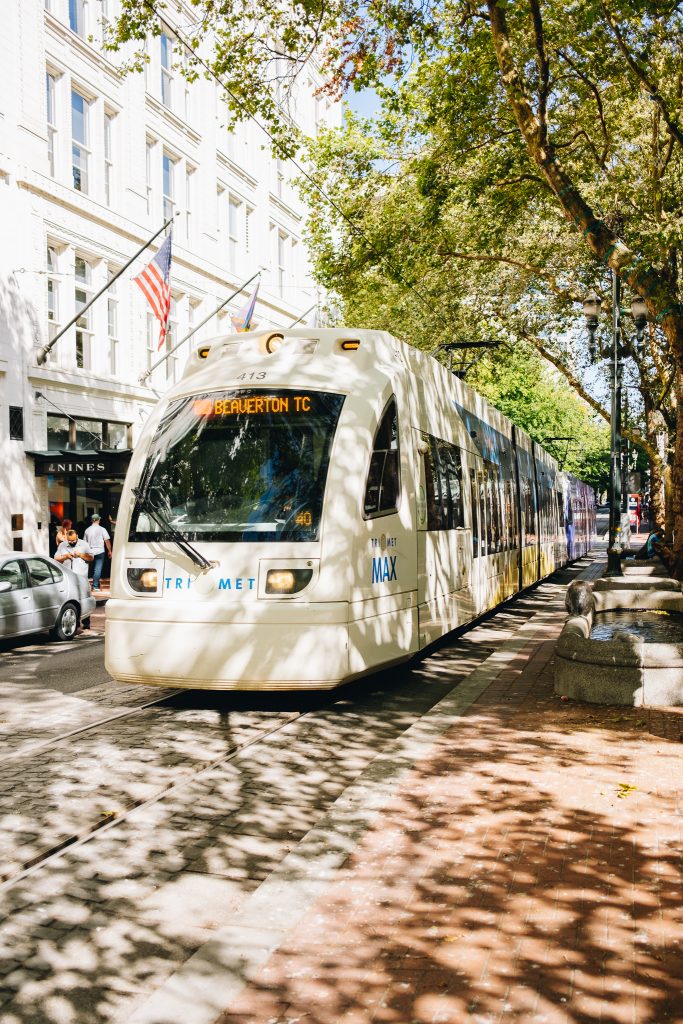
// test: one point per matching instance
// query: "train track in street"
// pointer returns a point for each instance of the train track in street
(114, 818)
(31, 750)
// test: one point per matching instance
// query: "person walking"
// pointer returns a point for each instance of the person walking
(98, 539)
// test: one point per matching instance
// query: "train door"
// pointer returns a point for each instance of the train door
(528, 500)
(383, 624)
(443, 540)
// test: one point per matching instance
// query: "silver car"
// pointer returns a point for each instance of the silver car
(38, 593)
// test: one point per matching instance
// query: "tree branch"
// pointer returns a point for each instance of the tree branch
(543, 68)
(662, 300)
(563, 293)
(642, 76)
(632, 435)
(598, 101)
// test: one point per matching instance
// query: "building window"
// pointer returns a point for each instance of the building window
(189, 190)
(57, 433)
(281, 261)
(79, 141)
(248, 229)
(234, 211)
(88, 435)
(52, 295)
(166, 70)
(113, 327)
(77, 16)
(169, 173)
(117, 435)
(149, 178)
(152, 339)
(171, 342)
(16, 423)
(83, 324)
(220, 199)
(51, 84)
(108, 161)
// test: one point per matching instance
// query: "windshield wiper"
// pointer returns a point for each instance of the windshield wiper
(145, 505)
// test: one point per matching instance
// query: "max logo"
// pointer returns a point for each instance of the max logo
(384, 569)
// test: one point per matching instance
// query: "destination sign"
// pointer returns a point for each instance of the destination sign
(252, 405)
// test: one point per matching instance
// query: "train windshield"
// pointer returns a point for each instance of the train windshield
(242, 465)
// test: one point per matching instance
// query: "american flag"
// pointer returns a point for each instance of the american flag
(156, 287)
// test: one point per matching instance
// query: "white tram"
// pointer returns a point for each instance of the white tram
(309, 506)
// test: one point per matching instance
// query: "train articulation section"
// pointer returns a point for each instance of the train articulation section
(307, 507)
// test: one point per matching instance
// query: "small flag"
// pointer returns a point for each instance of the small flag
(154, 281)
(242, 320)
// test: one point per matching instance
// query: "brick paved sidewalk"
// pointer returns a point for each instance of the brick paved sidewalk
(527, 869)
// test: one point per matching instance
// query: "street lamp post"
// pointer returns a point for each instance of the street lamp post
(591, 310)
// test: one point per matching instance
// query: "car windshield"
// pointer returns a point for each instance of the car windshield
(247, 465)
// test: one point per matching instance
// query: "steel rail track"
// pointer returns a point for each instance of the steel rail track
(38, 748)
(111, 821)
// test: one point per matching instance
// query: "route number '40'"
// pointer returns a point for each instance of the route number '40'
(304, 519)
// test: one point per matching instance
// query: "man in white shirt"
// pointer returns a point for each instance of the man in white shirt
(97, 538)
(75, 554)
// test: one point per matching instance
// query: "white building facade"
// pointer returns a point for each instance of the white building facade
(91, 164)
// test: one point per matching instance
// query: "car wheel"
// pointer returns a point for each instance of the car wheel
(67, 623)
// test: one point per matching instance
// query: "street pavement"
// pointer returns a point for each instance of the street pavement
(445, 843)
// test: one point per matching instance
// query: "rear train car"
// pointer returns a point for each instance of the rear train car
(305, 507)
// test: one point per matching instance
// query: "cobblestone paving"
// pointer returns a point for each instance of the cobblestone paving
(105, 921)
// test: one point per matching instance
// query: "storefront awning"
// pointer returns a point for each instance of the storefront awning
(82, 463)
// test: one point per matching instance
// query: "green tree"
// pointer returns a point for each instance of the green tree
(538, 143)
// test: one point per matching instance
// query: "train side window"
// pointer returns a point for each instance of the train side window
(443, 485)
(433, 486)
(474, 498)
(383, 485)
(453, 471)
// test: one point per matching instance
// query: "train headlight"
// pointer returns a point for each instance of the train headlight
(287, 581)
(143, 581)
(274, 342)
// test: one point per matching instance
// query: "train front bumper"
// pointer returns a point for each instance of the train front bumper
(277, 647)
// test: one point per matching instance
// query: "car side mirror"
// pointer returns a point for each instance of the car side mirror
(5, 586)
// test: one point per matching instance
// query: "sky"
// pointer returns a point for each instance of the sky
(365, 103)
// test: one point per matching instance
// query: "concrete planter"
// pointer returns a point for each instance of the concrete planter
(624, 670)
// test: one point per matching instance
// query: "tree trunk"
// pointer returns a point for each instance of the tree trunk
(658, 436)
(660, 294)
(677, 479)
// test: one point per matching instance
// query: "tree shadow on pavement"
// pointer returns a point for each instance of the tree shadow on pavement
(529, 871)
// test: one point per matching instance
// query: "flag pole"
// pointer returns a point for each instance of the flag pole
(43, 352)
(309, 310)
(148, 373)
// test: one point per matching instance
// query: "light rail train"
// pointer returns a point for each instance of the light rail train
(308, 506)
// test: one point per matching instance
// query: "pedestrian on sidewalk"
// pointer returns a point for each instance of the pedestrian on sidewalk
(61, 535)
(98, 539)
(76, 555)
